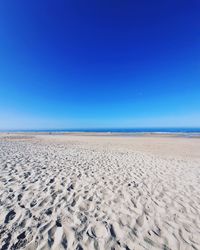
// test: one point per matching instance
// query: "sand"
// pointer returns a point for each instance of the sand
(99, 192)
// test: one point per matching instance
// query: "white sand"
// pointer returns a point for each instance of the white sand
(95, 192)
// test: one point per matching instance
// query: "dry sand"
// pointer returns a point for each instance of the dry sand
(99, 192)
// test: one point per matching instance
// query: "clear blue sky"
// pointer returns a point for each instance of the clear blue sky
(89, 64)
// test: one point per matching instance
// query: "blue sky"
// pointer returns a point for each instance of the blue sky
(95, 64)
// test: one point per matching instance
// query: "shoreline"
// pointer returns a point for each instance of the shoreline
(111, 134)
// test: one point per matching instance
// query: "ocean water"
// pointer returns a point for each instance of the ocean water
(115, 130)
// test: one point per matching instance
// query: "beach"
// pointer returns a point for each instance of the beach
(82, 191)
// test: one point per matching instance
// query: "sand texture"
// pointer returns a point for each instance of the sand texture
(93, 192)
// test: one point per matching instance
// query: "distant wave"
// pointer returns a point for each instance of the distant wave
(114, 130)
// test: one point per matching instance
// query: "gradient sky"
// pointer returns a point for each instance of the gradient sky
(94, 64)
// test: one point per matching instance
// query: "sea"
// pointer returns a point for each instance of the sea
(187, 131)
